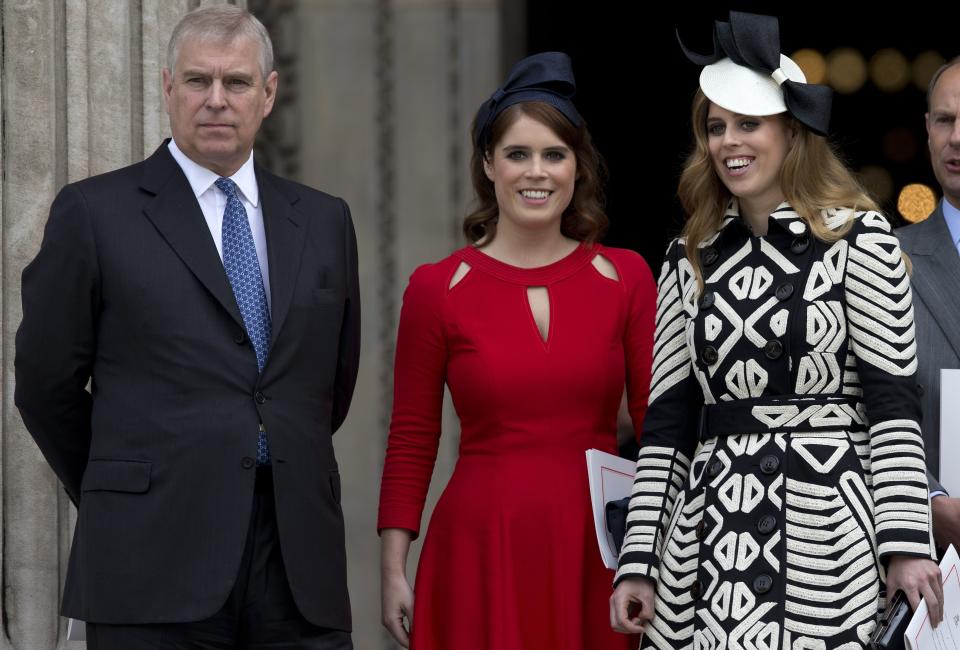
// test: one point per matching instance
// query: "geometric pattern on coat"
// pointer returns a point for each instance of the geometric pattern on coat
(781, 462)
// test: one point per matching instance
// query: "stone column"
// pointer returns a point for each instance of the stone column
(378, 111)
(387, 91)
(80, 95)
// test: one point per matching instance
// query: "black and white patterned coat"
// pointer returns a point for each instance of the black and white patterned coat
(781, 462)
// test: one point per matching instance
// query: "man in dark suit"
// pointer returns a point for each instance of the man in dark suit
(213, 310)
(932, 248)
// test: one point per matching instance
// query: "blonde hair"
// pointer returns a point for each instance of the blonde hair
(813, 178)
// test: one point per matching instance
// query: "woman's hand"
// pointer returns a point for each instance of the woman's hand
(635, 594)
(396, 596)
(918, 578)
(396, 602)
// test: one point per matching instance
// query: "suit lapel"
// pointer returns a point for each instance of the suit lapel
(936, 277)
(176, 214)
(286, 234)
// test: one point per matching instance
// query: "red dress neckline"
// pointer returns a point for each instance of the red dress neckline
(536, 276)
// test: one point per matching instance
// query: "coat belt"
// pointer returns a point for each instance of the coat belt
(781, 414)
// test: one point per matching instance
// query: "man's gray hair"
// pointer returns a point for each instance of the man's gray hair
(222, 24)
(936, 77)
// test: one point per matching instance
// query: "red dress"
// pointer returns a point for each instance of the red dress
(510, 560)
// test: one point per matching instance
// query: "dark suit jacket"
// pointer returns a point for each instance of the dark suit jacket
(936, 303)
(129, 293)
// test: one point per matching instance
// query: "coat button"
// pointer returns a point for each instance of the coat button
(247, 462)
(708, 256)
(710, 355)
(920, 390)
(715, 468)
(762, 583)
(800, 244)
(784, 291)
(769, 464)
(240, 337)
(766, 524)
(260, 397)
(773, 349)
(706, 300)
(696, 589)
(702, 530)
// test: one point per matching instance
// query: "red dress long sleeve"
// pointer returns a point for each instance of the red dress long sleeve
(510, 560)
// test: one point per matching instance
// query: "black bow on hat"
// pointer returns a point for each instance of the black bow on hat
(545, 77)
(753, 41)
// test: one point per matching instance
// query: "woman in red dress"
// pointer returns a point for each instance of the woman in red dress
(536, 329)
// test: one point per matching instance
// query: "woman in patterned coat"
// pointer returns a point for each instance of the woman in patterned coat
(781, 483)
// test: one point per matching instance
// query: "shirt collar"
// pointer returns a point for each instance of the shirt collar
(202, 179)
(952, 216)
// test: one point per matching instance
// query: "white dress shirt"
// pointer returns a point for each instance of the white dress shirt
(952, 216)
(213, 202)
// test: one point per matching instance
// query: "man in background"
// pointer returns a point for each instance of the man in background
(932, 246)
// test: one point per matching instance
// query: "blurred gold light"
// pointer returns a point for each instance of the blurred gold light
(846, 70)
(878, 182)
(889, 70)
(916, 202)
(812, 63)
(924, 66)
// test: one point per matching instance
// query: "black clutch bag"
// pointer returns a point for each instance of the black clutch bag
(893, 625)
(616, 513)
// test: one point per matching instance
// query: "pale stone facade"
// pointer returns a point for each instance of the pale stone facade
(378, 105)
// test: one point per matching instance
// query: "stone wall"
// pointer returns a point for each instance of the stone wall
(377, 109)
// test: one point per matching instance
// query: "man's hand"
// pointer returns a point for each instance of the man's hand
(946, 521)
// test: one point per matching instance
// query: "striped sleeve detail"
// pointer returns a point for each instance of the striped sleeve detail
(900, 496)
(671, 358)
(879, 303)
(661, 474)
(880, 323)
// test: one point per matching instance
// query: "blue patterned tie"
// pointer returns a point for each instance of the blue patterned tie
(243, 271)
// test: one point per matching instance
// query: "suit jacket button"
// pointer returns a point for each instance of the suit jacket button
(773, 349)
(766, 524)
(769, 464)
(240, 337)
(710, 355)
(762, 583)
(708, 256)
(702, 530)
(706, 300)
(784, 291)
(247, 462)
(259, 397)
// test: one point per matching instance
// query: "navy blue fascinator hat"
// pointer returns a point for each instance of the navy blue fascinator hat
(545, 77)
(747, 74)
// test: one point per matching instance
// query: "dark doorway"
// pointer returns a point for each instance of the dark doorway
(635, 88)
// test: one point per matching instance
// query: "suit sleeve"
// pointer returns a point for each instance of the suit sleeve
(670, 426)
(879, 312)
(419, 377)
(929, 423)
(56, 341)
(348, 351)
